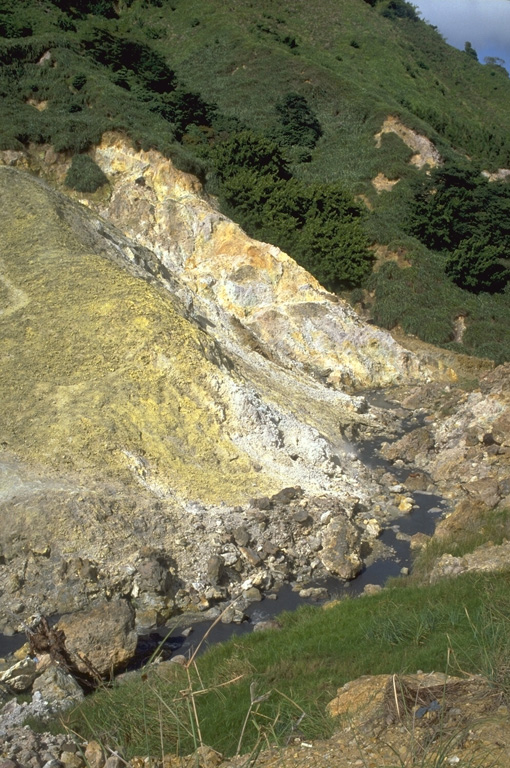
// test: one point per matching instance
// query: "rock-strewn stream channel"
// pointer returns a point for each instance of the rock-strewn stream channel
(387, 554)
(392, 556)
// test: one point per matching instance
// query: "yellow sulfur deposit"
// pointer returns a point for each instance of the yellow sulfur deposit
(99, 370)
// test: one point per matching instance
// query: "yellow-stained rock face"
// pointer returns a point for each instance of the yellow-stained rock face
(165, 382)
(127, 429)
(99, 370)
(234, 279)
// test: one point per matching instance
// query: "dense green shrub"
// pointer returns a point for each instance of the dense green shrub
(11, 26)
(79, 81)
(319, 225)
(298, 124)
(468, 48)
(124, 54)
(334, 251)
(458, 211)
(478, 266)
(84, 175)
(247, 150)
(80, 8)
(399, 9)
(184, 109)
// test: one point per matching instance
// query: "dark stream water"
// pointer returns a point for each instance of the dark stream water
(429, 508)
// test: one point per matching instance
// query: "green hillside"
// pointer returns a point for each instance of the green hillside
(276, 109)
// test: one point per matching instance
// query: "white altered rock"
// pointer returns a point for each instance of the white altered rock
(20, 676)
(373, 528)
(57, 687)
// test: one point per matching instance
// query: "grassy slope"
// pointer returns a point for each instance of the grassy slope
(234, 57)
(354, 66)
(302, 665)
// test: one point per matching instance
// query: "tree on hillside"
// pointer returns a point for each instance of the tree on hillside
(247, 150)
(478, 266)
(459, 212)
(399, 9)
(298, 124)
(80, 8)
(468, 48)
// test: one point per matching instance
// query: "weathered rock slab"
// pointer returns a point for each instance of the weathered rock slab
(104, 635)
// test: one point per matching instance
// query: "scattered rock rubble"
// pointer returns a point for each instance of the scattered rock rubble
(203, 559)
(464, 445)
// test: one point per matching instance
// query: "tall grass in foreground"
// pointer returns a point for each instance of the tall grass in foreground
(259, 689)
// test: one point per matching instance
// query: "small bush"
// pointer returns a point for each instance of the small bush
(84, 175)
(478, 266)
(298, 123)
(400, 9)
(79, 81)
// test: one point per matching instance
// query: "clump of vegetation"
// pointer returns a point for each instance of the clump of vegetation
(319, 225)
(84, 175)
(298, 124)
(464, 216)
(422, 301)
(399, 9)
(478, 264)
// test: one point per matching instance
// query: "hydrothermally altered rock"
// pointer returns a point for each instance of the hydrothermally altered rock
(128, 428)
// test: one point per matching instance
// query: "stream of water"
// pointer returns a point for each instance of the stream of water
(428, 509)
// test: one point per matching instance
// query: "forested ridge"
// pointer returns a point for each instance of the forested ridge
(276, 112)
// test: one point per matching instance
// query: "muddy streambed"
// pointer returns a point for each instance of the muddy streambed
(429, 509)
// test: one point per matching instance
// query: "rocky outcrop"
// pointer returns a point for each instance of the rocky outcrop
(23, 747)
(425, 153)
(174, 430)
(146, 409)
(244, 292)
(421, 717)
(502, 174)
(487, 559)
(102, 639)
(464, 445)
(247, 289)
